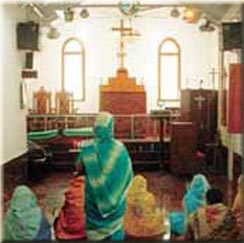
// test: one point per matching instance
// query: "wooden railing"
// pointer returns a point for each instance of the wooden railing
(126, 126)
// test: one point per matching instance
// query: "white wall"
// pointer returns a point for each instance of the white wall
(199, 55)
(13, 120)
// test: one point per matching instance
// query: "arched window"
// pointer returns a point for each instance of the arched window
(169, 77)
(73, 68)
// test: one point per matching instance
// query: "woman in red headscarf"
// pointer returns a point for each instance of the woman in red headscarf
(70, 223)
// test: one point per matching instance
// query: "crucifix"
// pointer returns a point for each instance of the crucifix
(213, 76)
(199, 99)
(123, 30)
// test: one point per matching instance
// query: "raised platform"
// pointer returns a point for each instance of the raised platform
(145, 152)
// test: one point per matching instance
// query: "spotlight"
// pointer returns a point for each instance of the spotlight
(191, 15)
(207, 26)
(68, 15)
(175, 12)
(84, 13)
(53, 33)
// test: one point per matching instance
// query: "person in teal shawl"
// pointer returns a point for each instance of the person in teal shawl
(108, 175)
(24, 219)
(192, 200)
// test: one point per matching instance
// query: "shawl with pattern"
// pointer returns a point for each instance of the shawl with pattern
(108, 172)
(237, 206)
(23, 218)
(193, 199)
(70, 223)
(214, 222)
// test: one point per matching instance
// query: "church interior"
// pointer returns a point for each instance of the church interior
(168, 71)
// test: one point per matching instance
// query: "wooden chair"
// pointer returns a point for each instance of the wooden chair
(41, 102)
(185, 158)
(64, 103)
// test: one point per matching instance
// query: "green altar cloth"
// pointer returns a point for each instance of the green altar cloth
(42, 135)
(78, 132)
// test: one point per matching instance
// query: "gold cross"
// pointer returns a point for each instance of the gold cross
(123, 30)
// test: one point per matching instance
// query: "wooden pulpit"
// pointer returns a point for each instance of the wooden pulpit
(200, 107)
(185, 158)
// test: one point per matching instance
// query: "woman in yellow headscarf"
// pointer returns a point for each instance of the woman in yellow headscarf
(142, 218)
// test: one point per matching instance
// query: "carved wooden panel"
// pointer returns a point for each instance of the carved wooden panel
(122, 95)
(63, 103)
(42, 102)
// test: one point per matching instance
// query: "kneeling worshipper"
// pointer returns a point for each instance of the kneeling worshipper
(143, 219)
(237, 206)
(70, 222)
(24, 220)
(213, 222)
(194, 198)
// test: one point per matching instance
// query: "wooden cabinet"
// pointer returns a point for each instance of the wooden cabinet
(200, 107)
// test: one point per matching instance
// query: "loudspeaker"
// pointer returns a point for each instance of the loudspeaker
(27, 36)
(29, 60)
(232, 35)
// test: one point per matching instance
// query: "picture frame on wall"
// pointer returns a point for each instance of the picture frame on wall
(23, 95)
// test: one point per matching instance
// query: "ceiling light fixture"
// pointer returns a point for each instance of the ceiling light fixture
(53, 33)
(128, 7)
(68, 15)
(191, 15)
(207, 26)
(84, 13)
(175, 13)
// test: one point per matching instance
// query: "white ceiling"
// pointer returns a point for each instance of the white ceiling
(147, 8)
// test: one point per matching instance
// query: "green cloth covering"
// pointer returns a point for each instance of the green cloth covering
(42, 135)
(78, 132)
(23, 218)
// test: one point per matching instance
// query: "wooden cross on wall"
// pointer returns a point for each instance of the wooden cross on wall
(213, 76)
(123, 30)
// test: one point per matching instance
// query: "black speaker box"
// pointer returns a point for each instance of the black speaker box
(232, 35)
(27, 36)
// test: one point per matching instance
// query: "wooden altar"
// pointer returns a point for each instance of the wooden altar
(122, 95)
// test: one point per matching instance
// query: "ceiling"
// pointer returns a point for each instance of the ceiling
(47, 11)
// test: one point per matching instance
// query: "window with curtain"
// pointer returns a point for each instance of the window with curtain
(73, 68)
(169, 78)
